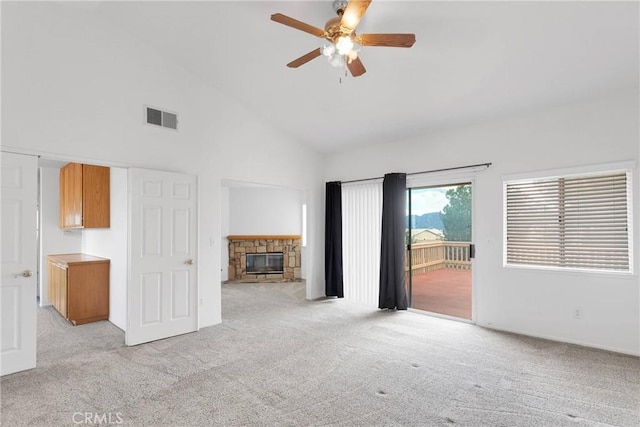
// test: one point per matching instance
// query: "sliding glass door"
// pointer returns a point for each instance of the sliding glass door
(439, 249)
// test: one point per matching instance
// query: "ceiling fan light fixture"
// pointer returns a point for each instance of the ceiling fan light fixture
(328, 50)
(336, 60)
(344, 44)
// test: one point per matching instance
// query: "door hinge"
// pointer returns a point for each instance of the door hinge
(472, 250)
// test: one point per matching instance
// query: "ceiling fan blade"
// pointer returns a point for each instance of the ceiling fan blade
(353, 14)
(305, 58)
(298, 25)
(356, 67)
(389, 40)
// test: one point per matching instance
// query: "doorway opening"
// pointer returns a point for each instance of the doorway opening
(168, 234)
(439, 249)
(109, 243)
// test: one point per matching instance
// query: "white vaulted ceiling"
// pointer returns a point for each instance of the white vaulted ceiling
(472, 61)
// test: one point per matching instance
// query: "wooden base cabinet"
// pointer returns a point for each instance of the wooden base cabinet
(78, 287)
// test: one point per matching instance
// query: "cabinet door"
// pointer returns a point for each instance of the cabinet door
(96, 196)
(66, 215)
(62, 291)
(88, 292)
(71, 196)
(62, 219)
(76, 194)
(58, 287)
(52, 285)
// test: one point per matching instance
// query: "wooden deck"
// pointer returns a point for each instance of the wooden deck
(444, 291)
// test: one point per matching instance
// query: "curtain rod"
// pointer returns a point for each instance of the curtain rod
(418, 173)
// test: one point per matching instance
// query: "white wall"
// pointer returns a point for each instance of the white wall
(53, 240)
(86, 82)
(532, 302)
(265, 211)
(112, 243)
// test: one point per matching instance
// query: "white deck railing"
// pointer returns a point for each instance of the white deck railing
(431, 256)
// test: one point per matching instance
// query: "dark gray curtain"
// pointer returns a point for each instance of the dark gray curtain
(393, 293)
(333, 284)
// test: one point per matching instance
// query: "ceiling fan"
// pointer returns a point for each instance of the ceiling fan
(341, 40)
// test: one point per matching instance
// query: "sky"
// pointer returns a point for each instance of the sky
(427, 200)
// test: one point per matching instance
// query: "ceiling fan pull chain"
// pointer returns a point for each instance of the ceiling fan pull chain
(344, 70)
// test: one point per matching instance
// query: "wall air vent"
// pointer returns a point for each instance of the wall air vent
(154, 116)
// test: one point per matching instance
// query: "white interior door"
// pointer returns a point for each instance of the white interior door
(163, 286)
(19, 258)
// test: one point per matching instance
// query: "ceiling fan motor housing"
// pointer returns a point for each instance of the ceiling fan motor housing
(332, 27)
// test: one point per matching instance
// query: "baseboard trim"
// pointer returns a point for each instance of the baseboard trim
(563, 340)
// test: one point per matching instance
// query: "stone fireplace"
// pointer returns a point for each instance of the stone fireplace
(264, 257)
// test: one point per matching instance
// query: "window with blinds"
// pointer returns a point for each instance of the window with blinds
(574, 222)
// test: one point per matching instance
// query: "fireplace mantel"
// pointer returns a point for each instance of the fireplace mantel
(264, 237)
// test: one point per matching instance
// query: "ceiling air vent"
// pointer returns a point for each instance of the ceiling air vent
(161, 118)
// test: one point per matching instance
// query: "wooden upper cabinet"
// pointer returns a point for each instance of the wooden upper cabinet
(84, 196)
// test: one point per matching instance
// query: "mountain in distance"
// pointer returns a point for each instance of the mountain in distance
(428, 220)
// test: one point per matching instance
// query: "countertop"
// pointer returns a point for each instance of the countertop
(70, 259)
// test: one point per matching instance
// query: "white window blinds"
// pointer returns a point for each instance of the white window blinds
(361, 241)
(578, 222)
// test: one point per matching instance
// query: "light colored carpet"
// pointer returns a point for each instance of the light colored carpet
(279, 360)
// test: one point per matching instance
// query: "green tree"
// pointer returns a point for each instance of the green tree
(456, 216)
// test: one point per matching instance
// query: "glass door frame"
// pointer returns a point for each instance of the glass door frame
(407, 245)
(443, 180)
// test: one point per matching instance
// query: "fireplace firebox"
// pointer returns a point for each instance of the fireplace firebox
(265, 263)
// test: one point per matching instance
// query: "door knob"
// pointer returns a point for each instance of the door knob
(26, 273)
(189, 262)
